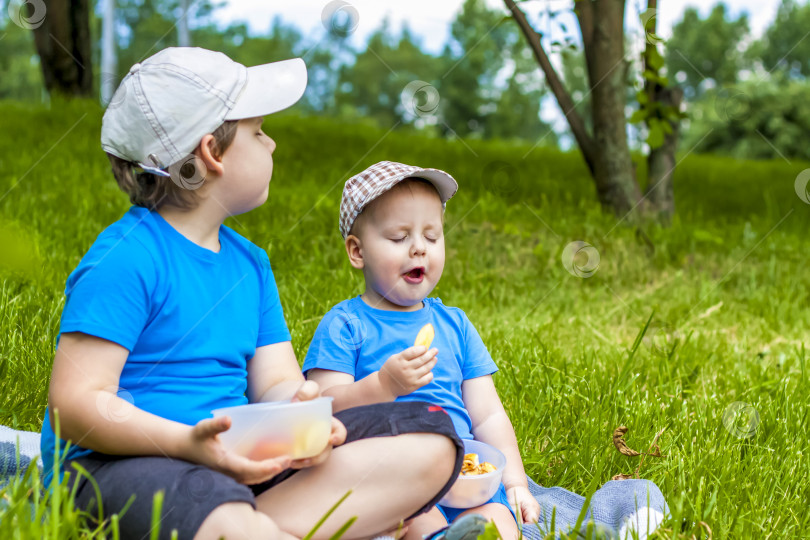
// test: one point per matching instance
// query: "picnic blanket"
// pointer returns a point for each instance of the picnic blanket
(11, 441)
(616, 509)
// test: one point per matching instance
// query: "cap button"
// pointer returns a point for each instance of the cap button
(135, 68)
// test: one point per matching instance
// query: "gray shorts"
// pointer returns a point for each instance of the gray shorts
(192, 491)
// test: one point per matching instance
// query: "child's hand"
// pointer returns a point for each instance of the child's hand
(307, 391)
(409, 370)
(204, 447)
(527, 509)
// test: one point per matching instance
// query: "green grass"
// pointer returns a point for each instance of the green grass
(726, 287)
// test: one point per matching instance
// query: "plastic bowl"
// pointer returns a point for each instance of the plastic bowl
(474, 490)
(266, 430)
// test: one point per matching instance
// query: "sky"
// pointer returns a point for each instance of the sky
(430, 19)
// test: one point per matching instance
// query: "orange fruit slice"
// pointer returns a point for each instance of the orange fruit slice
(266, 449)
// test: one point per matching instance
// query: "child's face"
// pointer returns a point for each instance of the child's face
(248, 163)
(402, 245)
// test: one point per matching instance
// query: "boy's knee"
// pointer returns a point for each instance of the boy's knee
(437, 453)
(237, 521)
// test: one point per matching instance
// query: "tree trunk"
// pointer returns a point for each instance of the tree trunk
(603, 22)
(606, 151)
(659, 194)
(64, 48)
(661, 162)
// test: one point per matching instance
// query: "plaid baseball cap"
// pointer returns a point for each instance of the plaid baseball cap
(366, 186)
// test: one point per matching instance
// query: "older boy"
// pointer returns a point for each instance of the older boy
(391, 218)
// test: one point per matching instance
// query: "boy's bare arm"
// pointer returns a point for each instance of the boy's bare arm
(347, 392)
(491, 425)
(400, 375)
(84, 386)
(273, 373)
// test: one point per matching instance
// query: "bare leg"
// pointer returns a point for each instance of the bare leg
(239, 521)
(390, 478)
(425, 524)
(500, 515)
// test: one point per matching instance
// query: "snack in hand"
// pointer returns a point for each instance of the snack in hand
(471, 466)
(425, 336)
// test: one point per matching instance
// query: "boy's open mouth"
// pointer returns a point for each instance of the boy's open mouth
(415, 275)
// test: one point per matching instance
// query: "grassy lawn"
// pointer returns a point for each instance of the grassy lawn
(724, 289)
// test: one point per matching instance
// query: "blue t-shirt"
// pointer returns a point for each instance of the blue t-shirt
(191, 318)
(357, 339)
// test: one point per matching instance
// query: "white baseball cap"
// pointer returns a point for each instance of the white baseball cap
(167, 103)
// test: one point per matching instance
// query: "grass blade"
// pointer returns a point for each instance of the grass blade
(328, 513)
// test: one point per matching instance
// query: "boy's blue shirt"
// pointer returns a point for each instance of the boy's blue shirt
(191, 318)
(357, 339)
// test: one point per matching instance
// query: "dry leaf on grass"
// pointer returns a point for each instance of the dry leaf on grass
(621, 446)
(618, 442)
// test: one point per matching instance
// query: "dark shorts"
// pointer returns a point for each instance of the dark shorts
(192, 491)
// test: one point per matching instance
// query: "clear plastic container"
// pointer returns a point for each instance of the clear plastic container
(474, 490)
(265, 430)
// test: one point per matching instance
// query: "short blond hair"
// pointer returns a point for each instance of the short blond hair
(152, 191)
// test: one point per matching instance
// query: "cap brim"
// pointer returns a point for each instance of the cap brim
(270, 88)
(443, 182)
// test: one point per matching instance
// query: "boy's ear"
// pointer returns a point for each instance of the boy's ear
(354, 250)
(207, 152)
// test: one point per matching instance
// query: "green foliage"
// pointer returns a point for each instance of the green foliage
(756, 120)
(701, 49)
(19, 64)
(148, 26)
(726, 285)
(479, 36)
(482, 43)
(517, 115)
(373, 85)
(784, 46)
(27, 511)
(659, 117)
(485, 84)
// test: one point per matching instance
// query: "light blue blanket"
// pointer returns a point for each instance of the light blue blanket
(10, 441)
(620, 509)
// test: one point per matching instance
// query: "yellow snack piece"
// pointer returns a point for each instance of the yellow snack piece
(471, 465)
(425, 336)
(311, 440)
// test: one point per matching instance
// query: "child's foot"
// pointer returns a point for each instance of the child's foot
(468, 527)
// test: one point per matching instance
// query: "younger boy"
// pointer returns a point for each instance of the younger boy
(391, 217)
